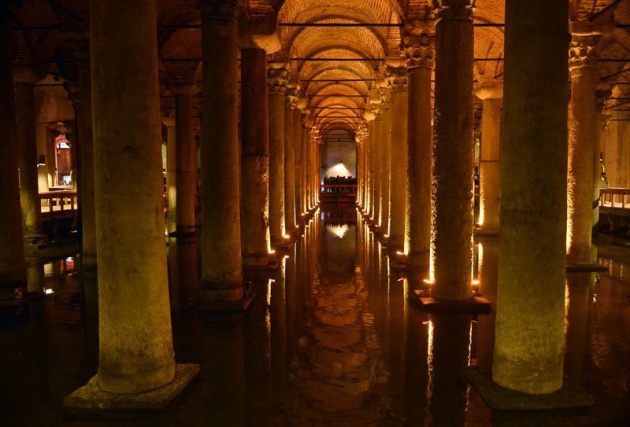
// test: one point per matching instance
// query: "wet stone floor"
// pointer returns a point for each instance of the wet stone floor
(331, 339)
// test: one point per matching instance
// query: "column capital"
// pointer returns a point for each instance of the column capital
(397, 78)
(419, 43)
(218, 10)
(489, 90)
(582, 51)
(453, 10)
(168, 121)
(277, 78)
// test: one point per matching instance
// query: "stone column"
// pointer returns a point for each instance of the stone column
(135, 338)
(12, 263)
(289, 171)
(171, 173)
(277, 80)
(171, 211)
(254, 158)
(186, 163)
(419, 51)
(489, 177)
(453, 150)
(221, 256)
(383, 146)
(25, 78)
(603, 93)
(298, 169)
(374, 169)
(397, 78)
(583, 132)
(528, 353)
(362, 181)
(86, 184)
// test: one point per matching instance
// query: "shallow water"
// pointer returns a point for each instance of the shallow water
(332, 339)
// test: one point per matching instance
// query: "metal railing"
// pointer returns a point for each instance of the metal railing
(55, 202)
(614, 198)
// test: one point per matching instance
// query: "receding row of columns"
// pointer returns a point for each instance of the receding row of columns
(533, 174)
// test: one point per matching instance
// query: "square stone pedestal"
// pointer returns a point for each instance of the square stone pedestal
(90, 398)
(571, 399)
(474, 305)
(585, 268)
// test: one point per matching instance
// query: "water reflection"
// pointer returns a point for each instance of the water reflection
(331, 338)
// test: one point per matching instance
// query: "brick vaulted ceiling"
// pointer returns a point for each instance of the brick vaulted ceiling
(53, 35)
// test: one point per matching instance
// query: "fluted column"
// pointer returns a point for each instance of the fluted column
(453, 151)
(420, 53)
(277, 80)
(25, 78)
(583, 132)
(221, 258)
(12, 263)
(489, 177)
(289, 161)
(397, 78)
(135, 338)
(528, 352)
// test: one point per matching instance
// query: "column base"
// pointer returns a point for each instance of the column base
(571, 397)
(259, 262)
(90, 398)
(474, 305)
(44, 248)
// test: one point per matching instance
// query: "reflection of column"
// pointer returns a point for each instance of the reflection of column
(583, 132)
(577, 336)
(276, 79)
(419, 51)
(25, 112)
(528, 353)
(136, 350)
(221, 260)
(489, 178)
(397, 180)
(449, 342)
(35, 275)
(488, 270)
(453, 151)
(12, 264)
(254, 157)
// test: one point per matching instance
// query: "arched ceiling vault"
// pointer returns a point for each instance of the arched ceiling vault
(362, 36)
